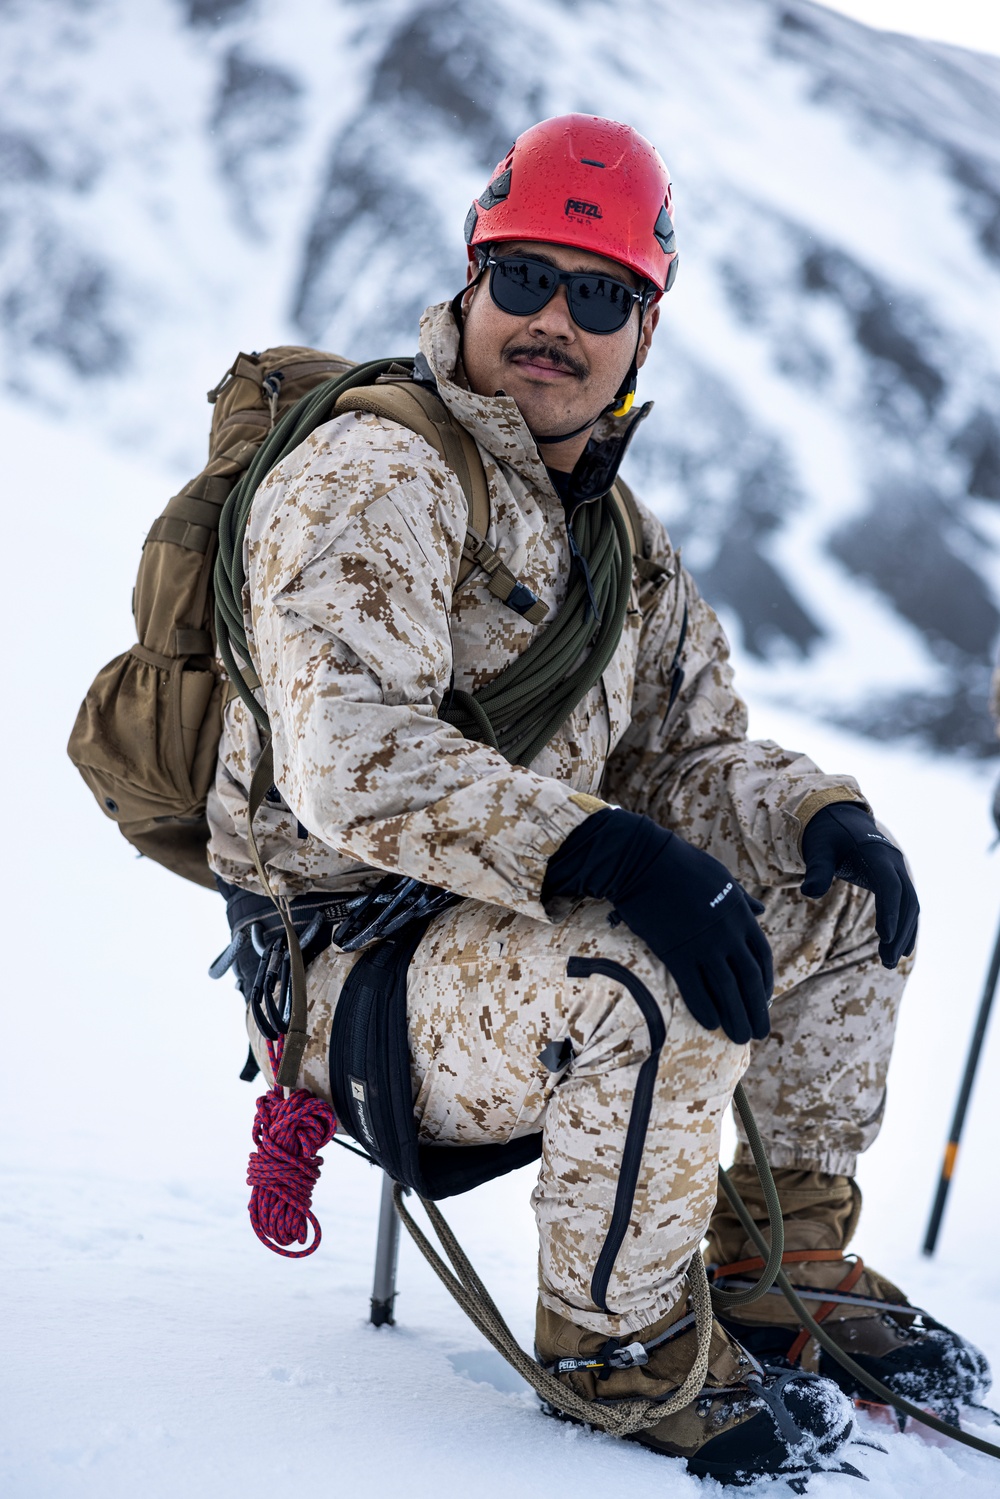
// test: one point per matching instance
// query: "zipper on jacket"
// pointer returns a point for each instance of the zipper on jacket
(642, 1103)
(676, 670)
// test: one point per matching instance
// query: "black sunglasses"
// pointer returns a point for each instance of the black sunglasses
(598, 303)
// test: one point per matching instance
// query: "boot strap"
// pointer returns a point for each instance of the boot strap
(790, 1257)
(800, 1257)
(848, 1283)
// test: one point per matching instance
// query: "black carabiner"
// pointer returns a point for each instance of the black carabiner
(262, 985)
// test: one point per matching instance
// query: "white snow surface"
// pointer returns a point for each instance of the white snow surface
(151, 1345)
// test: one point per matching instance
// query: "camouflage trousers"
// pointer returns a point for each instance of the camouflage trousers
(577, 1031)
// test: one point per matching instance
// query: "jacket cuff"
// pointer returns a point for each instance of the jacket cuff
(826, 796)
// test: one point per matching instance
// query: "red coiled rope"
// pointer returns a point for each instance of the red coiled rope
(285, 1167)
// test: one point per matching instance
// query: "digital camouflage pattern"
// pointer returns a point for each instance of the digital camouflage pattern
(353, 548)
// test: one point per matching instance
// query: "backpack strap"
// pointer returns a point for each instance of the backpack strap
(423, 411)
(629, 510)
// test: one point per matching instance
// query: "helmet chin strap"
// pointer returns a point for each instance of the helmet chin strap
(620, 406)
(545, 441)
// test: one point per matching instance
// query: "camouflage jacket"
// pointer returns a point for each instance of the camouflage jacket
(356, 627)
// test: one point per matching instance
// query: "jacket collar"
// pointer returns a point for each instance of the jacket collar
(498, 426)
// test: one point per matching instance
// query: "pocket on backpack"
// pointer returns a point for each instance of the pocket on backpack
(146, 736)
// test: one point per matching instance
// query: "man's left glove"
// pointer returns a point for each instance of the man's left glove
(843, 841)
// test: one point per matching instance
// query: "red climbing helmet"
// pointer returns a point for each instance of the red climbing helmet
(584, 181)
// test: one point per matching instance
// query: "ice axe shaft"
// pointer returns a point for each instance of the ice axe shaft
(961, 1107)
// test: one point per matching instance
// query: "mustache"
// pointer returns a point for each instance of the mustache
(552, 354)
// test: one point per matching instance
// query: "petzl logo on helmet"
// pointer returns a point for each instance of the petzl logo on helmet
(586, 210)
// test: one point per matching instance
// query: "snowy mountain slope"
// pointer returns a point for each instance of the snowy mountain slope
(181, 180)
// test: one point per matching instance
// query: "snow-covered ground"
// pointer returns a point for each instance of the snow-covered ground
(151, 1345)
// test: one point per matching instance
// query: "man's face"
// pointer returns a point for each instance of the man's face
(557, 372)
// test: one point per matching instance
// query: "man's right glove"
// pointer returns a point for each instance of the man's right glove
(842, 841)
(685, 906)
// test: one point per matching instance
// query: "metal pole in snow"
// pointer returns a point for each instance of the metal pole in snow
(386, 1258)
(961, 1107)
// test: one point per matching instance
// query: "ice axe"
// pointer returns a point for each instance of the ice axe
(961, 1107)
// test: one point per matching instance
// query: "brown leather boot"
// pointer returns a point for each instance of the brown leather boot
(745, 1422)
(863, 1312)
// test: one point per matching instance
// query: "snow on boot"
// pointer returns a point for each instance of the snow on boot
(863, 1313)
(745, 1423)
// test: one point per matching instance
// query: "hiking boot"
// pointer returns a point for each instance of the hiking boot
(863, 1313)
(745, 1422)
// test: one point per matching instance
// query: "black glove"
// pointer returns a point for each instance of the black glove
(685, 906)
(843, 840)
